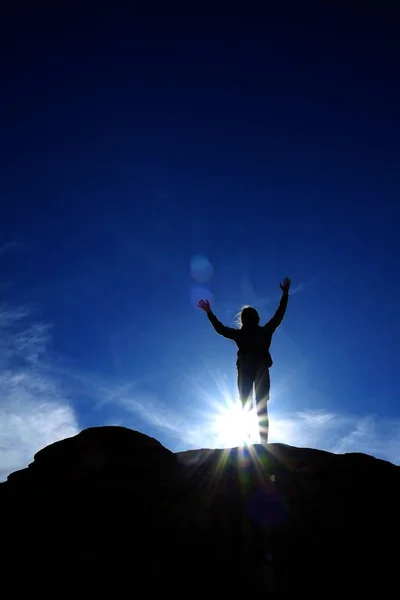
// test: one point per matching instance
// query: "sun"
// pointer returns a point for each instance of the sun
(235, 426)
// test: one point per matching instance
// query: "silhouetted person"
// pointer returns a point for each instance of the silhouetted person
(253, 357)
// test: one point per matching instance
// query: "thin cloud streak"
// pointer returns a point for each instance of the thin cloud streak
(153, 412)
(33, 409)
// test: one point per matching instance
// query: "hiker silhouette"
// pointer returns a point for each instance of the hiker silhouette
(253, 357)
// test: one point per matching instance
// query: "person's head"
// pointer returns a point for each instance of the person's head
(249, 317)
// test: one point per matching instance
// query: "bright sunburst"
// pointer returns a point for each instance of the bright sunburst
(235, 426)
(226, 424)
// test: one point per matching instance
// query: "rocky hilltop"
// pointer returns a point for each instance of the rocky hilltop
(113, 511)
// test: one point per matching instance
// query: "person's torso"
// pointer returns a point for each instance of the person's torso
(254, 341)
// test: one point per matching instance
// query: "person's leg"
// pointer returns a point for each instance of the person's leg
(245, 386)
(262, 385)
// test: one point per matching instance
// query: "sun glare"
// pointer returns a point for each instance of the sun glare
(235, 426)
(227, 423)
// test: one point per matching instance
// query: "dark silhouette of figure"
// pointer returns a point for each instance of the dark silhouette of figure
(253, 357)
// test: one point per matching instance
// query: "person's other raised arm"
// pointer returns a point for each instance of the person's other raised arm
(227, 332)
(277, 319)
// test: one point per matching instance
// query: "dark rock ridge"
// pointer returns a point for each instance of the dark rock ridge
(112, 511)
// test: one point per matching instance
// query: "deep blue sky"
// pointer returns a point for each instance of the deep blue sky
(131, 144)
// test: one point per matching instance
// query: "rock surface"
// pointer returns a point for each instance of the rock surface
(112, 511)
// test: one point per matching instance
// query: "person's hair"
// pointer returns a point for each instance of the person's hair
(247, 317)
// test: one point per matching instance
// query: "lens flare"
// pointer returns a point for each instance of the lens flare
(201, 269)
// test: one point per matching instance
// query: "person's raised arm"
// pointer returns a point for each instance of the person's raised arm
(281, 310)
(227, 332)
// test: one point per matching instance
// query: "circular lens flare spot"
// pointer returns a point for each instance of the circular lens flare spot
(201, 269)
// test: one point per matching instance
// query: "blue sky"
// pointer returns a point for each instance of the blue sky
(133, 145)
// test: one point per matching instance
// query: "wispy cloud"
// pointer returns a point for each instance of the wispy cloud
(33, 410)
(184, 428)
(339, 433)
